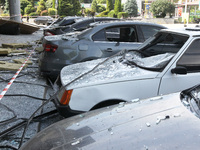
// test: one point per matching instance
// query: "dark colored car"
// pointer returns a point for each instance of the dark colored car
(45, 20)
(59, 23)
(78, 25)
(99, 41)
(169, 122)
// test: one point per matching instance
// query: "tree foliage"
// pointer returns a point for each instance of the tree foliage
(6, 7)
(117, 6)
(24, 4)
(160, 8)
(49, 4)
(94, 5)
(86, 1)
(109, 4)
(101, 1)
(28, 9)
(41, 6)
(131, 7)
(100, 8)
(68, 7)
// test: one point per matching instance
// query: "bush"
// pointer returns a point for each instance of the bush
(112, 14)
(100, 8)
(33, 14)
(103, 14)
(89, 12)
(122, 15)
(28, 9)
(4, 15)
(52, 11)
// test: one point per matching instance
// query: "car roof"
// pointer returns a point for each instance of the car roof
(123, 22)
(195, 31)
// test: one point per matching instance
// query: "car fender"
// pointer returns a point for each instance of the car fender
(85, 98)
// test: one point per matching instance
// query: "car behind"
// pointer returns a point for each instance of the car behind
(78, 24)
(99, 41)
(164, 122)
(45, 20)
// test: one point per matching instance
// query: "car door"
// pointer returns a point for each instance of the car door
(188, 62)
(114, 39)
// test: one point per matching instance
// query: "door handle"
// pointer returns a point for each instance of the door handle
(109, 50)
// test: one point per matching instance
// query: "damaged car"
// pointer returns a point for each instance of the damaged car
(99, 41)
(59, 23)
(164, 122)
(78, 24)
(166, 63)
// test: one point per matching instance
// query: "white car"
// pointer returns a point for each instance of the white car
(166, 63)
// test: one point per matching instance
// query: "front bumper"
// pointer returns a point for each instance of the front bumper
(65, 110)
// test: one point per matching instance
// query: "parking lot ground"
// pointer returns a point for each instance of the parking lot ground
(26, 94)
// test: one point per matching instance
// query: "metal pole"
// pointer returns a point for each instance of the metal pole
(14, 8)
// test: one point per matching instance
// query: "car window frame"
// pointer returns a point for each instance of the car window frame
(115, 26)
(190, 68)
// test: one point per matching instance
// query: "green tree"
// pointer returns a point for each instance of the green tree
(100, 8)
(101, 1)
(117, 6)
(41, 6)
(76, 7)
(28, 9)
(24, 4)
(160, 8)
(68, 7)
(49, 4)
(94, 5)
(109, 4)
(54, 3)
(86, 1)
(6, 7)
(131, 7)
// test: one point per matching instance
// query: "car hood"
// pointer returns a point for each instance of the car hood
(155, 123)
(110, 70)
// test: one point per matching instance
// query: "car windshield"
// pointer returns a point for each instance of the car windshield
(155, 54)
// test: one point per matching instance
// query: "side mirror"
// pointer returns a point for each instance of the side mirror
(179, 70)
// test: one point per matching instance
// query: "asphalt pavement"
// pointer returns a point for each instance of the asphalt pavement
(25, 96)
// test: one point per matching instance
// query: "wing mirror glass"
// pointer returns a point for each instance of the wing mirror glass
(179, 70)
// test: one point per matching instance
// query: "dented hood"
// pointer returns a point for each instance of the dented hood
(113, 69)
(156, 123)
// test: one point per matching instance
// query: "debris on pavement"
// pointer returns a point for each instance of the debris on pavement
(9, 66)
(15, 45)
(22, 60)
(5, 51)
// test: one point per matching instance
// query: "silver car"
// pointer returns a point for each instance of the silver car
(100, 40)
